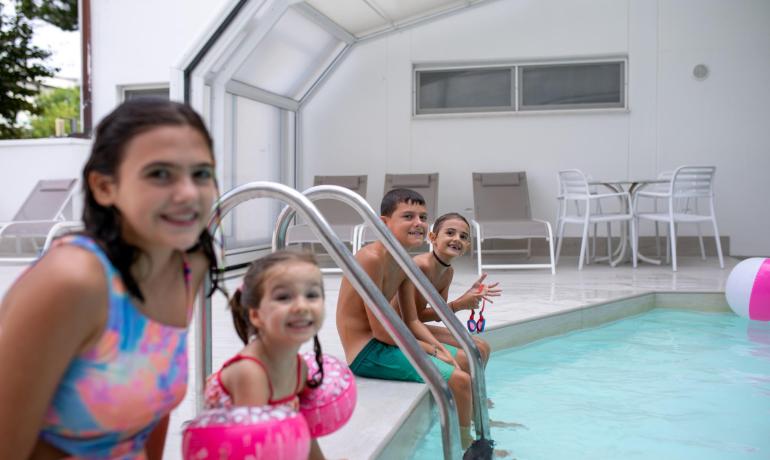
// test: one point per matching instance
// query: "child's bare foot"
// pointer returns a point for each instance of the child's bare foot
(466, 437)
(502, 453)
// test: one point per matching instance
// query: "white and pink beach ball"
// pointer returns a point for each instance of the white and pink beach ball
(748, 289)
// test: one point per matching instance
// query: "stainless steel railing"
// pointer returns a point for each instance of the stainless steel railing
(360, 282)
(421, 282)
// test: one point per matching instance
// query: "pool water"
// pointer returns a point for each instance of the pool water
(666, 384)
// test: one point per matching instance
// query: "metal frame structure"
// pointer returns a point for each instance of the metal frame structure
(204, 77)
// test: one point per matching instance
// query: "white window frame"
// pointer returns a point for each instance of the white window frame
(516, 70)
(123, 89)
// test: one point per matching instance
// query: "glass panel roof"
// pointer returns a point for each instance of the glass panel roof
(309, 35)
(365, 17)
(400, 10)
(290, 56)
(354, 16)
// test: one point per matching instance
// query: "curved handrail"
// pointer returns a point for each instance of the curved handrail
(421, 282)
(358, 279)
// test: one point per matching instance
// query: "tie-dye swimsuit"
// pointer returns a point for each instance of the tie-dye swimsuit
(112, 396)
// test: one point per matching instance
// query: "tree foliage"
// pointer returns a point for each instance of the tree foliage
(22, 65)
(56, 103)
(61, 13)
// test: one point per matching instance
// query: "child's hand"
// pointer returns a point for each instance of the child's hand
(477, 292)
(444, 355)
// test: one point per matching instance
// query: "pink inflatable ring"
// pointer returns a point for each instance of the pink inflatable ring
(328, 407)
(265, 432)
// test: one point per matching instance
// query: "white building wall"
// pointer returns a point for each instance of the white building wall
(137, 42)
(360, 120)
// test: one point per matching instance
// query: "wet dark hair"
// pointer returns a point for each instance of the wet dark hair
(113, 134)
(249, 295)
(445, 217)
(392, 199)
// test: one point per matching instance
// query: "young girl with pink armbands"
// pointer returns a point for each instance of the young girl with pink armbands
(268, 400)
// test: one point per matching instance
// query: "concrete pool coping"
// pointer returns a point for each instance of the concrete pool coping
(401, 441)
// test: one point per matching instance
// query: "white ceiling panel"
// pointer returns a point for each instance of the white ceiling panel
(366, 17)
(406, 10)
(355, 16)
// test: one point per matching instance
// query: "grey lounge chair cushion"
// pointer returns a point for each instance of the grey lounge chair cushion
(351, 182)
(410, 180)
(514, 229)
(499, 179)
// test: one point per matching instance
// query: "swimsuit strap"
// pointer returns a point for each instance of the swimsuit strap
(240, 357)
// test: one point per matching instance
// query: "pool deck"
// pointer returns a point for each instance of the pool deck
(527, 294)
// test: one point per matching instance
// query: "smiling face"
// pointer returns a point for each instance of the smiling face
(408, 223)
(163, 189)
(291, 310)
(451, 239)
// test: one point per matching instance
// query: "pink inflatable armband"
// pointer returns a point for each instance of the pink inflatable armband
(328, 407)
(265, 432)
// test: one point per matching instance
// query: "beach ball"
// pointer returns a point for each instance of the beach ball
(748, 289)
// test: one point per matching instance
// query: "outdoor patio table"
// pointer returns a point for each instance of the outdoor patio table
(619, 186)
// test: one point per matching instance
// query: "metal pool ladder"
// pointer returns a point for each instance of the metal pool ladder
(358, 279)
(423, 285)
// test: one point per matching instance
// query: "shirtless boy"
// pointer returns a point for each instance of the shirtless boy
(369, 349)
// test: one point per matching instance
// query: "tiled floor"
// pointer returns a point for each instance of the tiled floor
(526, 294)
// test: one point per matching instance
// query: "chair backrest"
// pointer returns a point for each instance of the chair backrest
(573, 184)
(425, 184)
(337, 212)
(693, 182)
(501, 196)
(47, 200)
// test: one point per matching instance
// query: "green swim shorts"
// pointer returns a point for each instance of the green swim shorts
(379, 360)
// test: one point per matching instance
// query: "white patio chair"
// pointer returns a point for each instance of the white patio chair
(688, 184)
(46, 211)
(573, 187)
(501, 210)
(342, 218)
(689, 206)
(425, 184)
(593, 189)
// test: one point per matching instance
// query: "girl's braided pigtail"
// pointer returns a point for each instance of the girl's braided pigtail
(318, 377)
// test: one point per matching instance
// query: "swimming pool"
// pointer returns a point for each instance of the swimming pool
(664, 384)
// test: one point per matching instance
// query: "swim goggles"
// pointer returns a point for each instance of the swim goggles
(477, 326)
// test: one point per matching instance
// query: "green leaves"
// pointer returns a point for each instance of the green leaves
(61, 13)
(22, 65)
